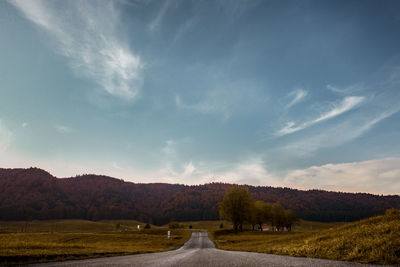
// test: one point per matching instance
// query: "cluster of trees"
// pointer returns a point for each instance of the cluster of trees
(274, 214)
(37, 195)
(238, 208)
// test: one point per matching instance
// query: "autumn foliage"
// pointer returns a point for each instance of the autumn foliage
(35, 194)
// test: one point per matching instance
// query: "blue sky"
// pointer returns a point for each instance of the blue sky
(303, 94)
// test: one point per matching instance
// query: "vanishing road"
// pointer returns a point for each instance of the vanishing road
(200, 251)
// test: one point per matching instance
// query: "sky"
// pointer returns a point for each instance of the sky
(300, 94)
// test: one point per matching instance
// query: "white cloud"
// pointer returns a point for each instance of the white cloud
(297, 95)
(187, 174)
(338, 134)
(188, 170)
(380, 176)
(374, 176)
(6, 137)
(86, 33)
(345, 105)
(25, 124)
(250, 171)
(160, 15)
(63, 129)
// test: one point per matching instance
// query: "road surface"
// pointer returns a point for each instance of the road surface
(200, 251)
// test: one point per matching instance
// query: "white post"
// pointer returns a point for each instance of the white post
(169, 234)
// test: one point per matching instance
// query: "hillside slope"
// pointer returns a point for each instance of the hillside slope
(372, 240)
(35, 194)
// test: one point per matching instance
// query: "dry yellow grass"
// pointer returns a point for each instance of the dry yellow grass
(76, 226)
(373, 240)
(103, 239)
(309, 226)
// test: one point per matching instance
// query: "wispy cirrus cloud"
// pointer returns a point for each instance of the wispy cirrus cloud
(155, 23)
(345, 105)
(339, 134)
(296, 95)
(85, 32)
(351, 89)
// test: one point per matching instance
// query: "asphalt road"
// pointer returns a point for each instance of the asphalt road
(200, 251)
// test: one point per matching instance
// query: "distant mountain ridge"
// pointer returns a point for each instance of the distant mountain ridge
(36, 194)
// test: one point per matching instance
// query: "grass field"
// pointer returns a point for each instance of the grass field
(77, 239)
(373, 240)
(308, 226)
(76, 226)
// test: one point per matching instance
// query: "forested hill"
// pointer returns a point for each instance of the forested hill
(35, 194)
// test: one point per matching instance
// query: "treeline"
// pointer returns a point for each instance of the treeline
(238, 208)
(35, 194)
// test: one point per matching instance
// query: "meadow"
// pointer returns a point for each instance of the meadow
(373, 240)
(43, 241)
